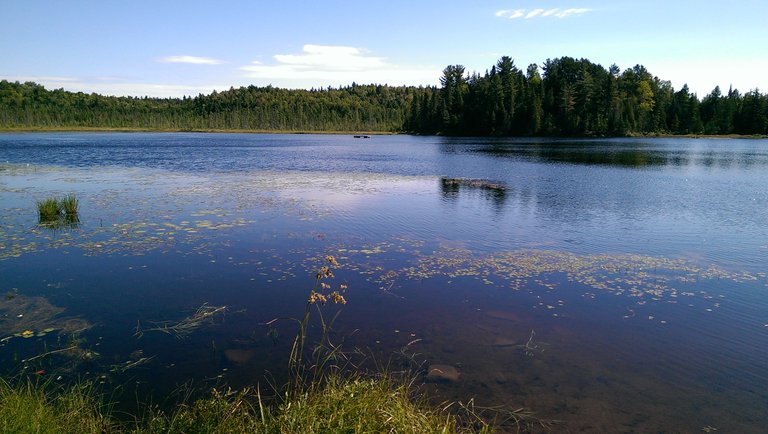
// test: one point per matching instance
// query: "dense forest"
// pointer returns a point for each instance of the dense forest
(565, 97)
(354, 108)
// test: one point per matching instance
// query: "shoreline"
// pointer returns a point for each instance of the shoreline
(179, 130)
(341, 133)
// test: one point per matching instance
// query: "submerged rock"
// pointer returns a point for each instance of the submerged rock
(239, 356)
(442, 374)
(504, 342)
(501, 314)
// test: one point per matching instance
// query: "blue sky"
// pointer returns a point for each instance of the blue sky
(174, 48)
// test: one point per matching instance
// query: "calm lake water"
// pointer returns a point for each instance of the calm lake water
(613, 285)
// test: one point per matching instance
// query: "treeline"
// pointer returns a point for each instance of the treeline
(575, 97)
(352, 108)
(566, 97)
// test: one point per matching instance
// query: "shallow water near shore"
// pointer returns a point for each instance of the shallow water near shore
(614, 285)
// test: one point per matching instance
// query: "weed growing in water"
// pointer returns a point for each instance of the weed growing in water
(58, 213)
(49, 211)
(69, 204)
(325, 353)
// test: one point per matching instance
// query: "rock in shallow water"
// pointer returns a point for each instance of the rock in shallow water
(239, 356)
(442, 374)
(504, 342)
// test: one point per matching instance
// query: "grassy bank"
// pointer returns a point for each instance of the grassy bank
(349, 405)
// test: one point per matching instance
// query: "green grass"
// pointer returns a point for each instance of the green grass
(49, 210)
(31, 408)
(58, 213)
(69, 205)
(342, 405)
(363, 405)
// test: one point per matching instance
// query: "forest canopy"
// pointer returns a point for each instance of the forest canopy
(563, 97)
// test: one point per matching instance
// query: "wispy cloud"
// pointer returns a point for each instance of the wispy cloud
(321, 65)
(115, 87)
(194, 60)
(533, 13)
(540, 13)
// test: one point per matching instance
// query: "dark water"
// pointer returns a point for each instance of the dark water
(614, 285)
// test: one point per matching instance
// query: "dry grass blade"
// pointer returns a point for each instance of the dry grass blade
(204, 314)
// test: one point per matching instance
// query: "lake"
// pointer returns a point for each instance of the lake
(612, 285)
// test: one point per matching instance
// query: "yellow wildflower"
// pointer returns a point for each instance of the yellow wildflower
(315, 297)
(337, 298)
(324, 272)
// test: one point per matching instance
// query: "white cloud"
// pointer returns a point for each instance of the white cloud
(324, 65)
(541, 13)
(572, 11)
(111, 86)
(194, 60)
(331, 57)
(533, 13)
(37, 79)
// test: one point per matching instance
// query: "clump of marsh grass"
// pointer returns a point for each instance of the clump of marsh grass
(58, 213)
(49, 210)
(69, 205)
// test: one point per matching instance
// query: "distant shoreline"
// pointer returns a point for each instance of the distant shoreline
(342, 133)
(176, 130)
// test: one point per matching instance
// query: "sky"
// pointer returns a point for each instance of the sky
(169, 48)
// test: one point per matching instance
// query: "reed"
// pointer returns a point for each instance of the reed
(49, 210)
(69, 204)
(58, 213)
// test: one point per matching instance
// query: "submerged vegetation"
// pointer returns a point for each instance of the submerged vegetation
(204, 314)
(563, 96)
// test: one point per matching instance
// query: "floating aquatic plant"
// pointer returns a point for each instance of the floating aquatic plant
(26, 317)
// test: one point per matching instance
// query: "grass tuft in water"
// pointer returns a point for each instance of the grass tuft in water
(69, 204)
(58, 213)
(49, 210)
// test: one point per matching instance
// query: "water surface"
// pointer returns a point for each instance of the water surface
(615, 285)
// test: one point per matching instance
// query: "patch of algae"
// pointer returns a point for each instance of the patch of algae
(632, 275)
(20, 315)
